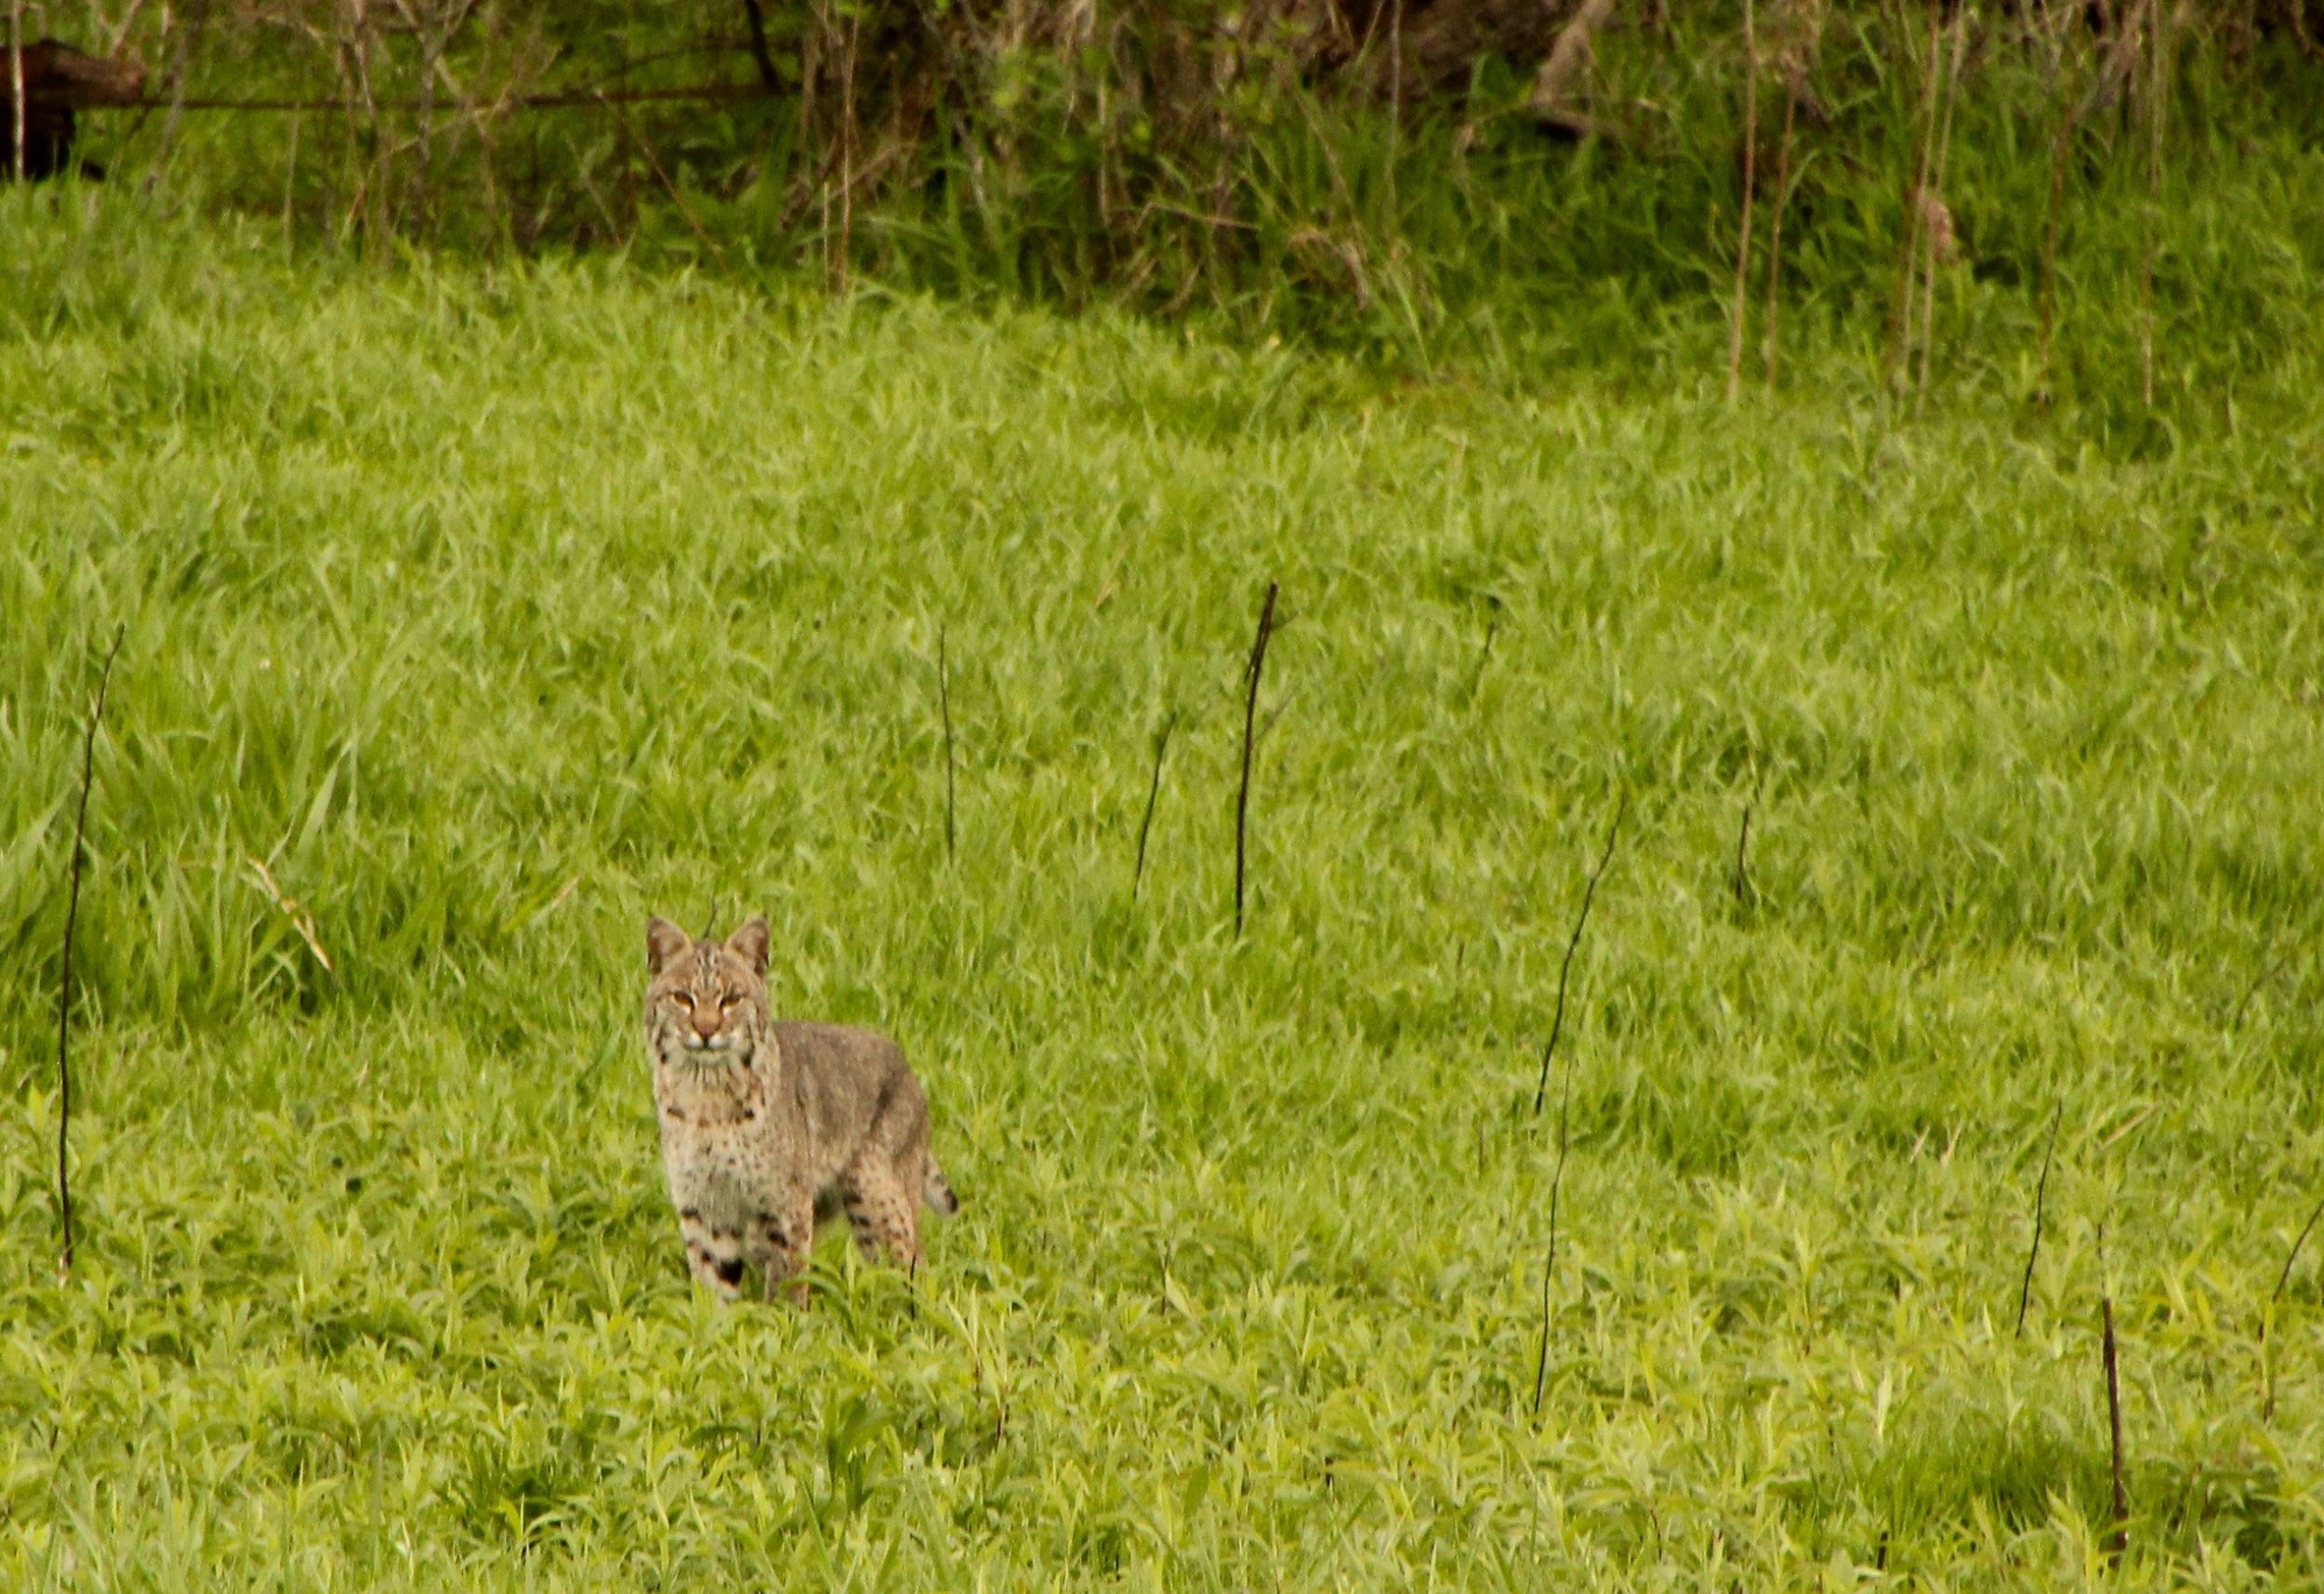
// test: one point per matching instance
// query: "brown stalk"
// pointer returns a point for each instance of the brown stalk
(2041, 1199)
(1751, 182)
(15, 115)
(1250, 714)
(1908, 241)
(1775, 235)
(654, 162)
(1549, 1263)
(1743, 891)
(2156, 103)
(846, 155)
(1153, 795)
(1936, 229)
(1566, 970)
(64, 984)
(2267, 1360)
(2120, 1539)
(2059, 149)
(2265, 974)
(1484, 652)
(943, 699)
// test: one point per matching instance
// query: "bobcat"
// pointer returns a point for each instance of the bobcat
(769, 1126)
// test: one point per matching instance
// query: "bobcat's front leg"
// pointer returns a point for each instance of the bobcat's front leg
(713, 1255)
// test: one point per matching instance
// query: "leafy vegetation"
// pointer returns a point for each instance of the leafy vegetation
(487, 609)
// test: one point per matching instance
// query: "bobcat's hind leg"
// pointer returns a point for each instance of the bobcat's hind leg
(883, 1213)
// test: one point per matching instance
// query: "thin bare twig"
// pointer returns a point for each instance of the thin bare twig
(1549, 1263)
(2265, 976)
(64, 983)
(2042, 1198)
(1750, 181)
(15, 115)
(1909, 239)
(1767, 320)
(1936, 228)
(1153, 795)
(1484, 652)
(1250, 714)
(2291, 1256)
(943, 699)
(2267, 1360)
(1566, 970)
(2120, 1539)
(2158, 100)
(2060, 148)
(1743, 892)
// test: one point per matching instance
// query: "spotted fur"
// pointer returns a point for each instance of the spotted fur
(769, 1126)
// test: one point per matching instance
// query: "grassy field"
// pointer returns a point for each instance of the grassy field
(491, 611)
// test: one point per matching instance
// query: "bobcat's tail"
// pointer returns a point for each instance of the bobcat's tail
(937, 1192)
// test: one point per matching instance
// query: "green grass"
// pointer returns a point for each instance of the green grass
(494, 610)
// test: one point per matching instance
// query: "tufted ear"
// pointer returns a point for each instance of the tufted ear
(663, 942)
(749, 944)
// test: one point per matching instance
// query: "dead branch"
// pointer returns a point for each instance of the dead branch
(1153, 795)
(1250, 714)
(1566, 970)
(2042, 1198)
(64, 983)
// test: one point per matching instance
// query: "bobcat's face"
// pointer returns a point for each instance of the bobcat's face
(705, 1001)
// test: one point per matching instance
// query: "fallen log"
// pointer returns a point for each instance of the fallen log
(57, 82)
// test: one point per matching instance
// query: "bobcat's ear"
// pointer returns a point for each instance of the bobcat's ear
(663, 942)
(749, 944)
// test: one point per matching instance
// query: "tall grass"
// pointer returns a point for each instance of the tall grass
(490, 608)
(1168, 160)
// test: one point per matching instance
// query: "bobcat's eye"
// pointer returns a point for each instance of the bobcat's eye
(683, 998)
(732, 999)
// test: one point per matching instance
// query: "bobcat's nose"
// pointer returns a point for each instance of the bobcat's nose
(706, 1021)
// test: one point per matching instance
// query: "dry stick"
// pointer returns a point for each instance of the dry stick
(2120, 1539)
(943, 699)
(1153, 794)
(2291, 1256)
(16, 106)
(1908, 244)
(1750, 181)
(1933, 202)
(1565, 970)
(2158, 53)
(1251, 713)
(2267, 1405)
(2059, 149)
(846, 156)
(2042, 1201)
(1774, 234)
(2265, 976)
(1484, 654)
(654, 160)
(64, 986)
(1549, 1263)
(1743, 840)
